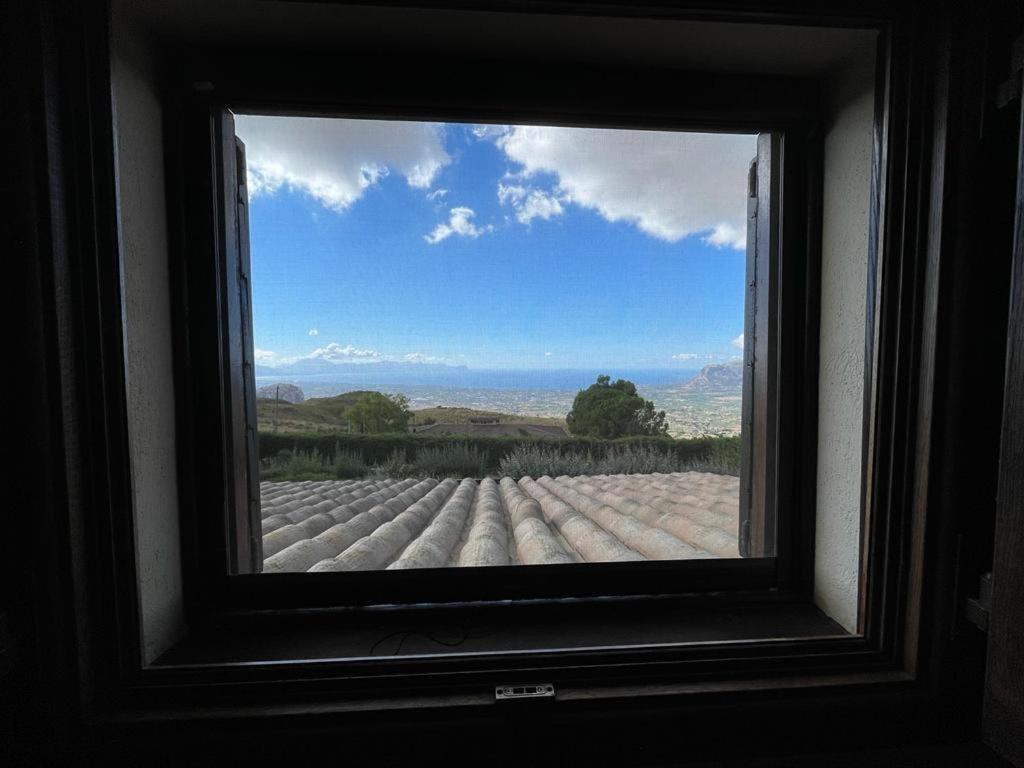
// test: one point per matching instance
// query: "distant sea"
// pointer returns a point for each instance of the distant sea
(531, 392)
(318, 384)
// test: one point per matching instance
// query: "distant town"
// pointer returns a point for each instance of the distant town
(706, 403)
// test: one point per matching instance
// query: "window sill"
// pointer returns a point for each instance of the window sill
(428, 634)
(310, 663)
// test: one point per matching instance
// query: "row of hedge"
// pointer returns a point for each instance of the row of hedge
(377, 449)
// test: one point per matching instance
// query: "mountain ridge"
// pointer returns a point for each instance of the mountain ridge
(717, 377)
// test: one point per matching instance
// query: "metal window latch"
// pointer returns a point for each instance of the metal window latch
(978, 608)
(530, 691)
(1009, 90)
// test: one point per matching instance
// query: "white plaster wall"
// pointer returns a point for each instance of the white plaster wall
(147, 317)
(847, 166)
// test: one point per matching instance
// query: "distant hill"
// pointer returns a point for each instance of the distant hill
(330, 414)
(317, 414)
(449, 414)
(512, 429)
(724, 378)
(469, 422)
(283, 391)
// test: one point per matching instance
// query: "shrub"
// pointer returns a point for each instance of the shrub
(376, 450)
(723, 457)
(606, 409)
(296, 465)
(394, 466)
(348, 464)
(539, 460)
(455, 460)
(536, 461)
(637, 460)
(374, 412)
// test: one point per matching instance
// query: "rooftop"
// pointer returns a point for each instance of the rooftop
(343, 525)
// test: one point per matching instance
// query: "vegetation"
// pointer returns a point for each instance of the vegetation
(348, 464)
(540, 460)
(614, 431)
(375, 413)
(296, 464)
(455, 460)
(395, 465)
(314, 454)
(317, 414)
(447, 414)
(334, 415)
(721, 457)
(610, 410)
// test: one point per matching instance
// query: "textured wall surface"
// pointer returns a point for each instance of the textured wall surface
(841, 364)
(143, 237)
(346, 525)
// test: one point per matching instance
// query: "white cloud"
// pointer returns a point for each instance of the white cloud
(335, 160)
(547, 354)
(437, 194)
(510, 193)
(683, 356)
(349, 353)
(336, 353)
(459, 223)
(668, 184)
(530, 203)
(737, 342)
(487, 131)
(726, 235)
(314, 332)
(419, 357)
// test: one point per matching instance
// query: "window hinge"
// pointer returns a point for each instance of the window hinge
(978, 608)
(531, 691)
(744, 539)
(1009, 90)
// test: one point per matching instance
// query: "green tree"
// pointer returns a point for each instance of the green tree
(375, 413)
(606, 409)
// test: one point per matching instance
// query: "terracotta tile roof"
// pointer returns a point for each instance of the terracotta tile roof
(341, 525)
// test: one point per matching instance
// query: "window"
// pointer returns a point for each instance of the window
(497, 345)
(749, 620)
(747, 523)
(239, 298)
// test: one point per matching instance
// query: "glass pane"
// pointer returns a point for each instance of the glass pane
(495, 345)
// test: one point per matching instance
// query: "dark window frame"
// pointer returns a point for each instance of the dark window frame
(887, 652)
(793, 122)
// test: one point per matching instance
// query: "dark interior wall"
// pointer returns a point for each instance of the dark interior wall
(39, 689)
(46, 627)
(142, 229)
(978, 170)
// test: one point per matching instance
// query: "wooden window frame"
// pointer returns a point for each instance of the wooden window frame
(770, 566)
(884, 660)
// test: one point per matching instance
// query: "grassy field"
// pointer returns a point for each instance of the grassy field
(442, 414)
(317, 414)
(329, 414)
(507, 429)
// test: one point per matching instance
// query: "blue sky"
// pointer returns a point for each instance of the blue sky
(495, 246)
